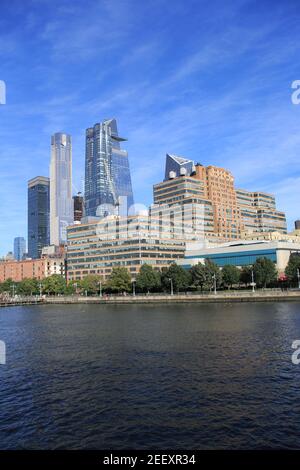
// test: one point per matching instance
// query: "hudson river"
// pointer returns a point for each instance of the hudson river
(150, 377)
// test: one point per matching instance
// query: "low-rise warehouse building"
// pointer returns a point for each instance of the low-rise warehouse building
(241, 253)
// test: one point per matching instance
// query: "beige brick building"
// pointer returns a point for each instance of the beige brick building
(236, 212)
(96, 247)
(220, 191)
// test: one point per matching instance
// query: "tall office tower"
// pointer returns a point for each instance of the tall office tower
(219, 189)
(61, 201)
(19, 248)
(108, 188)
(297, 224)
(178, 165)
(78, 207)
(38, 216)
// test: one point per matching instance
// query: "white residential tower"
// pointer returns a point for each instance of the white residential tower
(61, 202)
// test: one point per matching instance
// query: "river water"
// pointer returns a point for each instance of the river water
(150, 377)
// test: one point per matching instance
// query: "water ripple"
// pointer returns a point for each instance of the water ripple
(150, 377)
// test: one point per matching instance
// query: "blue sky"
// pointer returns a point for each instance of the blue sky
(209, 80)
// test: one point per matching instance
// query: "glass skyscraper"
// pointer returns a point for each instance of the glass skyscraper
(108, 188)
(61, 201)
(38, 216)
(19, 248)
(78, 207)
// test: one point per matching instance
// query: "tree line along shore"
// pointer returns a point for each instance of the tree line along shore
(202, 278)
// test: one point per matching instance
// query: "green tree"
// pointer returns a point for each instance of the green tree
(181, 278)
(245, 275)
(119, 280)
(53, 285)
(203, 275)
(148, 279)
(71, 287)
(292, 268)
(90, 284)
(198, 275)
(28, 287)
(230, 275)
(212, 270)
(264, 272)
(6, 286)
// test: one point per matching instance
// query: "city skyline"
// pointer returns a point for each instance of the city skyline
(205, 100)
(98, 140)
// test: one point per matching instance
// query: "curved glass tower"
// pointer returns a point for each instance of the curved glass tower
(108, 188)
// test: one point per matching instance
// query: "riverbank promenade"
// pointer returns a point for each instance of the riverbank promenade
(230, 296)
(268, 295)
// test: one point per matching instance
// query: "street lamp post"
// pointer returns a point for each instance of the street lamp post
(253, 284)
(133, 288)
(215, 283)
(171, 281)
(298, 276)
(100, 289)
(13, 289)
(40, 286)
